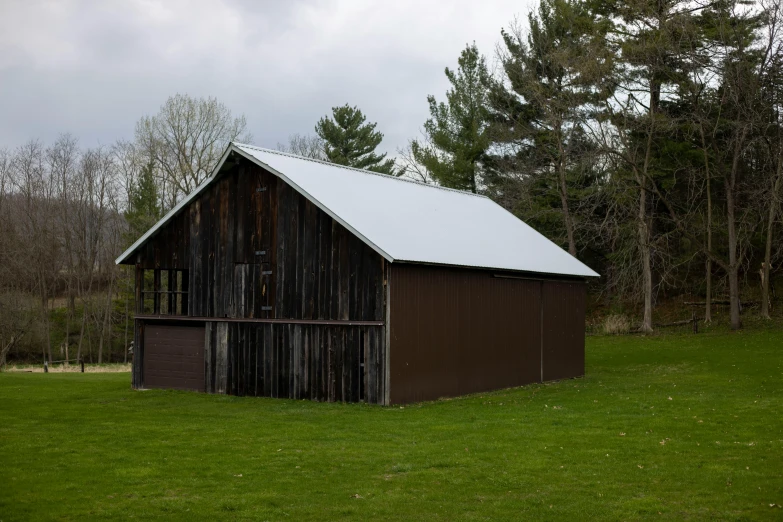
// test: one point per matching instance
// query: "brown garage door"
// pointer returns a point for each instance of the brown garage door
(174, 357)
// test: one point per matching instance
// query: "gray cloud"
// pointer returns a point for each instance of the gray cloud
(93, 68)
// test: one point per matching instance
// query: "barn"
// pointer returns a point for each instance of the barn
(282, 276)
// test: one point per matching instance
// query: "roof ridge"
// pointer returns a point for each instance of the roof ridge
(362, 171)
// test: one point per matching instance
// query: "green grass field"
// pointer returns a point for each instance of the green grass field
(667, 427)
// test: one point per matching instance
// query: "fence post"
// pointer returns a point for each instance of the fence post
(81, 361)
(46, 366)
(695, 323)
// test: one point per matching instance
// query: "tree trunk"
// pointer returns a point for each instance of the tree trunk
(765, 274)
(81, 331)
(45, 316)
(643, 217)
(708, 271)
(85, 298)
(105, 331)
(13, 341)
(4, 351)
(644, 247)
(569, 225)
(563, 188)
(765, 299)
(100, 340)
(733, 267)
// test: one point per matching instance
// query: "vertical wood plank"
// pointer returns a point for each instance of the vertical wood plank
(345, 276)
(209, 380)
(270, 226)
(310, 258)
(315, 357)
(137, 379)
(221, 358)
(171, 287)
(250, 360)
(280, 375)
(139, 288)
(243, 211)
(231, 380)
(343, 365)
(268, 358)
(156, 289)
(369, 365)
(386, 335)
(296, 355)
(330, 365)
(354, 367)
(320, 348)
(258, 371)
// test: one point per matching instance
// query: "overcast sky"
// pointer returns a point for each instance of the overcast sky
(93, 68)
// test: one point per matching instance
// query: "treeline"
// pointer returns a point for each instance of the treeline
(67, 212)
(643, 137)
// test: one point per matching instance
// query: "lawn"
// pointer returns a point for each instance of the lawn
(667, 427)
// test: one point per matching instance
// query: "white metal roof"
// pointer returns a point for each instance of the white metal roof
(404, 220)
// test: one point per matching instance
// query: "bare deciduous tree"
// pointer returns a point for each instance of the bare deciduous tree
(305, 145)
(186, 139)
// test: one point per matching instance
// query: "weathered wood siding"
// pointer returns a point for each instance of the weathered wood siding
(323, 270)
(255, 248)
(311, 267)
(296, 361)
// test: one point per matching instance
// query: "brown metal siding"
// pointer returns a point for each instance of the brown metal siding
(458, 331)
(564, 330)
(174, 357)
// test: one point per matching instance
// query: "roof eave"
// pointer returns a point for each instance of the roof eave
(317, 203)
(512, 271)
(123, 258)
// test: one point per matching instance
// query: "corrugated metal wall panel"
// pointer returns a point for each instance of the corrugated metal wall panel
(564, 330)
(458, 331)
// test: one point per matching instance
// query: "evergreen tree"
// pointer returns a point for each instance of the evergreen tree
(350, 140)
(457, 130)
(145, 204)
(554, 77)
(652, 48)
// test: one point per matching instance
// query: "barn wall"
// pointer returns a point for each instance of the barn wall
(252, 242)
(564, 329)
(323, 271)
(458, 331)
(296, 361)
(255, 249)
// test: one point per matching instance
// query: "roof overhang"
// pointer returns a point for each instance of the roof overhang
(124, 258)
(235, 151)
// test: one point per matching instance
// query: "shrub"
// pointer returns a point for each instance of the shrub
(616, 324)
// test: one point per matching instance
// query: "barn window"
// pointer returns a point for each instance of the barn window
(165, 292)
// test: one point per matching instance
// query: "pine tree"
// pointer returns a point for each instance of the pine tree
(145, 204)
(457, 130)
(659, 65)
(350, 140)
(554, 74)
